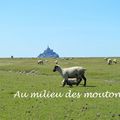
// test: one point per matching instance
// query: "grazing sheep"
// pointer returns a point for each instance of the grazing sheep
(71, 58)
(106, 58)
(109, 61)
(72, 72)
(56, 61)
(71, 81)
(46, 61)
(40, 62)
(115, 61)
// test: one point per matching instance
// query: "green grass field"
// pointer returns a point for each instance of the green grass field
(25, 75)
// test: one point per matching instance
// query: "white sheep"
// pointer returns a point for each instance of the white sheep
(56, 61)
(70, 82)
(109, 61)
(40, 62)
(46, 61)
(115, 61)
(71, 72)
(106, 58)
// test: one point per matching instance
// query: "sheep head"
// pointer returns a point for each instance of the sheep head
(56, 68)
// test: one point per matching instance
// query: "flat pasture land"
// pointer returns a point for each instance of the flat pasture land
(26, 76)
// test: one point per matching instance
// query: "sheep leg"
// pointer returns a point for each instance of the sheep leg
(84, 79)
(69, 83)
(64, 83)
(78, 81)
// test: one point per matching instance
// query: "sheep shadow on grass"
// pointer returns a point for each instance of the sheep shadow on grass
(80, 85)
(87, 85)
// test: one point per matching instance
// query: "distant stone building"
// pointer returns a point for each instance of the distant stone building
(48, 53)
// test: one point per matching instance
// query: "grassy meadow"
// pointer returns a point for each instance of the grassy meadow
(25, 75)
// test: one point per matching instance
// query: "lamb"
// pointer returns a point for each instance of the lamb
(72, 72)
(40, 62)
(109, 61)
(70, 82)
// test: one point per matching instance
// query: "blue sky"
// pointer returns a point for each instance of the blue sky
(71, 27)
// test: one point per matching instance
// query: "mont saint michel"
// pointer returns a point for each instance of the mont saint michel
(48, 53)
